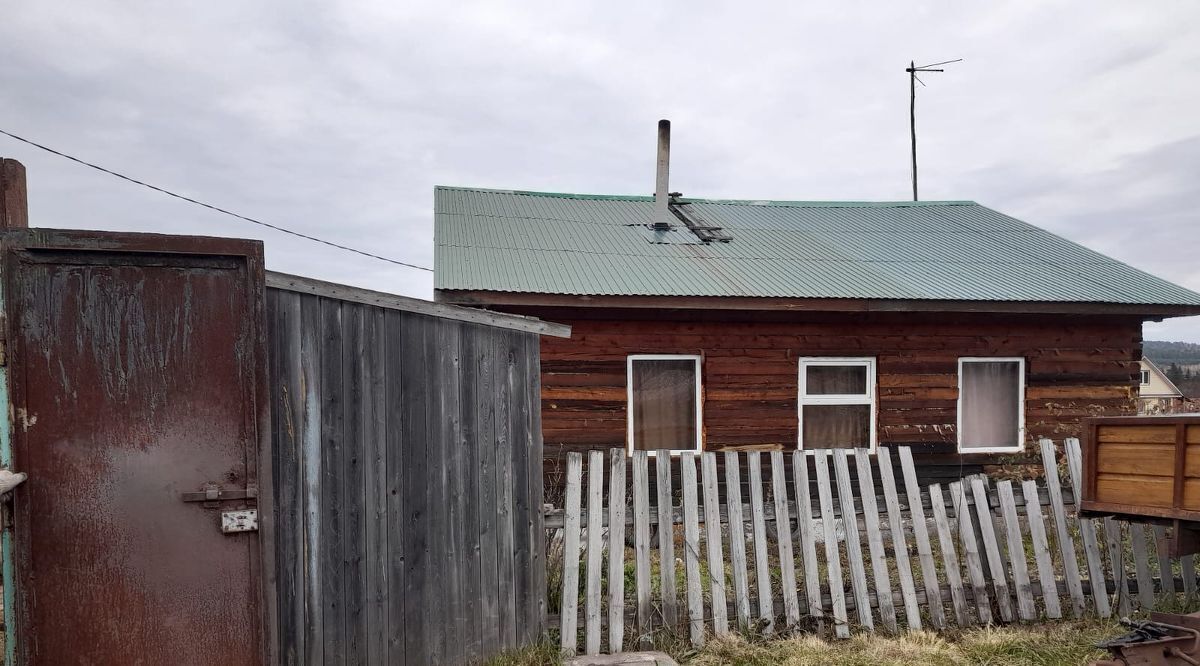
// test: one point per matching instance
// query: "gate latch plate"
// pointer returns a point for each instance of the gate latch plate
(245, 520)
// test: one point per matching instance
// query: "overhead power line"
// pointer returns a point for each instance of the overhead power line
(209, 206)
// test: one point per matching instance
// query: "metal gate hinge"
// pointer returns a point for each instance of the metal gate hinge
(213, 493)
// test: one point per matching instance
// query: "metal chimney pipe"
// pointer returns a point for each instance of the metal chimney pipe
(662, 214)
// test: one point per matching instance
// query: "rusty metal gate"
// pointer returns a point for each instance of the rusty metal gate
(135, 365)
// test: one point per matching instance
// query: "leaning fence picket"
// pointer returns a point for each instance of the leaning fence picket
(908, 590)
(958, 597)
(737, 541)
(1166, 576)
(641, 539)
(595, 515)
(1016, 551)
(833, 560)
(858, 574)
(808, 545)
(1187, 567)
(783, 531)
(1116, 559)
(1141, 565)
(929, 577)
(879, 560)
(713, 541)
(616, 550)
(569, 616)
(966, 535)
(691, 549)
(991, 547)
(666, 539)
(1087, 533)
(762, 572)
(1070, 562)
(1041, 550)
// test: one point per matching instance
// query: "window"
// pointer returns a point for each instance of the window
(1145, 377)
(991, 405)
(664, 402)
(837, 403)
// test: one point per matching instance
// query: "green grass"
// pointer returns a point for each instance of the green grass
(1048, 644)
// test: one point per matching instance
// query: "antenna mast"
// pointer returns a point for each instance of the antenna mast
(913, 80)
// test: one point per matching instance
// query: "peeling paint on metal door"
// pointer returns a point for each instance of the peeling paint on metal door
(135, 367)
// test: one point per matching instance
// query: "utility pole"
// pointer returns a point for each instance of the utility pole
(913, 80)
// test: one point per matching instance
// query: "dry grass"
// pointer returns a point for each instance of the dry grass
(1067, 643)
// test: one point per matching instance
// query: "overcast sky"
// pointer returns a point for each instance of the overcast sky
(337, 119)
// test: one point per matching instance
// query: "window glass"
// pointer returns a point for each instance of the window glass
(990, 396)
(836, 380)
(1145, 377)
(837, 403)
(663, 403)
(837, 426)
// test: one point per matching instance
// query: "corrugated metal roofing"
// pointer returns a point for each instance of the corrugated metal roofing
(499, 240)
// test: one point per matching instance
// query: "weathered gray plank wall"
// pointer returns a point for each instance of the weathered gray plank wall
(408, 484)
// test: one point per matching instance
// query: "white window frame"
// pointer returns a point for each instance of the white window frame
(699, 395)
(1144, 378)
(870, 398)
(1020, 445)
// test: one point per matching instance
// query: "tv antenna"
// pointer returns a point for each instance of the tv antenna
(913, 80)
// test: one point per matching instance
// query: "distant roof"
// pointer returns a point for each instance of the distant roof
(573, 244)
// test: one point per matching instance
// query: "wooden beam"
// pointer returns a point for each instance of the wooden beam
(14, 198)
(482, 298)
(305, 285)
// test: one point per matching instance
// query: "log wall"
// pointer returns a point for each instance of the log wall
(1076, 366)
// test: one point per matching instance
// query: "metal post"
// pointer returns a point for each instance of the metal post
(912, 115)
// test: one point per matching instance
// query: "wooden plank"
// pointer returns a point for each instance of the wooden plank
(1041, 550)
(506, 411)
(691, 548)
(991, 547)
(808, 544)
(641, 539)
(595, 552)
(713, 542)
(1116, 560)
(287, 432)
(666, 540)
(372, 416)
(569, 615)
(616, 550)
(1066, 545)
(783, 527)
(858, 574)
(354, 545)
(527, 465)
(1166, 575)
(908, 590)
(929, 572)
(536, 455)
(485, 363)
(448, 498)
(879, 558)
(970, 546)
(306, 285)
(406, 469)
(1088, 534)
(1141, 566)
(762, 571)
(1026, 609)
(737, 540)
(1187, 569)
(958, 597)
(332, 517)
(833, 559)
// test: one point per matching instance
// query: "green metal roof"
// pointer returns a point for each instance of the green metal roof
(534, 242)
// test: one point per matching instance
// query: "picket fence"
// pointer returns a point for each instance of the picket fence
(1016, 569)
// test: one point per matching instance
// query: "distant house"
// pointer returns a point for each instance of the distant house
(1157, 394)
(744, 324)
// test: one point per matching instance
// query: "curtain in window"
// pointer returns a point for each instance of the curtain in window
(991, 404)
(664, 404)
(837, 426)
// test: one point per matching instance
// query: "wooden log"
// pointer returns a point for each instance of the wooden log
(568, 631)
(1041, 550)
(616, 550)
(783, 527)
(833, 559)
(879, 558)
(858, 574)
(958, 598)
(1088, 534)
(1070, 562)
(737, 541)
(991, 547)
(666, 540)
(691, 548)
(808, 544)
(1026, 609)
(762, 571)
(929, 577)
(1141, 566)
(641, 539)
(713, 541)
(966, 536)
(595, 508)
